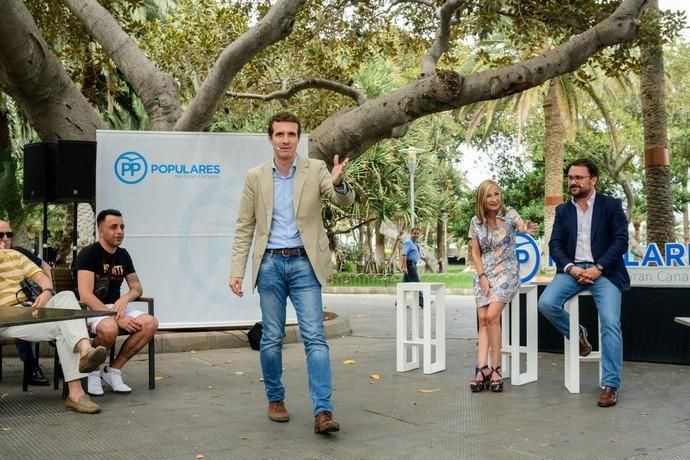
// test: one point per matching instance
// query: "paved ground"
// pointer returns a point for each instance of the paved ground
(210, 403)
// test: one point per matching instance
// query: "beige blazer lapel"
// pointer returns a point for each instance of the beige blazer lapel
(267, 192)
(298, 185)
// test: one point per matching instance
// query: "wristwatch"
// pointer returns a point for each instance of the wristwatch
(599, 267)
(51, 290)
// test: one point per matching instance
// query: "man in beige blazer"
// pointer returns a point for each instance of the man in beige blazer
(281, 211)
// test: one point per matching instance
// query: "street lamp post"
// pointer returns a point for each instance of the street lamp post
(411, 166)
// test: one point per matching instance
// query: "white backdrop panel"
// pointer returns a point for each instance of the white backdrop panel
(179, 194)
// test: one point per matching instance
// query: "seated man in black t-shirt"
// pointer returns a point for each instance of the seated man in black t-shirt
(99, 271)
(26, 350)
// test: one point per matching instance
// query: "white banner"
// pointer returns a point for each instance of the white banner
(661, 277)
(179, 194)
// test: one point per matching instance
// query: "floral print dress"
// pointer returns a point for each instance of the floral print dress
(498, 258)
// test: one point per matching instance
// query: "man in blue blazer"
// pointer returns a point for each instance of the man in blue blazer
(588, 240)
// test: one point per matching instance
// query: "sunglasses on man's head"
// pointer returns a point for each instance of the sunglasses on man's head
(9, 234)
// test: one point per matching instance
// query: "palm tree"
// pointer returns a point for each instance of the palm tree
(660, 220)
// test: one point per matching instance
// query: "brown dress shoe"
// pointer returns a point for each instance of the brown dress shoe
(608, 397)
(585, 346)
(324, 423)
(277, 411)
(92, 359)
(83, 405)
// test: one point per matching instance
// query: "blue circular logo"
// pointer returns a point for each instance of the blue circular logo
(131, 167)
(528, 256)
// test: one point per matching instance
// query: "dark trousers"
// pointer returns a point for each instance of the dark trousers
(27, 350)
(412, 276)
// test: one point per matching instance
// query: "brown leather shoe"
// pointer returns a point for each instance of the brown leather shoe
(324, 423)
(585, 346)
(92, 359)
(608, 397)
(277, 411)
(83, 405)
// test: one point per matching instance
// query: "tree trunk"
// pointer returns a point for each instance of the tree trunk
(660, 220)
(441, 250)
(380, 250)
(369, 264)
(554, 135)
(10, 195)
(64, 254)
(35, 79)
(469, 260)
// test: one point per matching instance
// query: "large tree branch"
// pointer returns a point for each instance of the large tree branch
(276, 25)
(421, 2)
(157, 90)
(354, 227)
(352, 132)
(32, 75)
(312, 83)
(440, 45)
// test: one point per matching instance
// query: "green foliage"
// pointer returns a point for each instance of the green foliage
(377, 48)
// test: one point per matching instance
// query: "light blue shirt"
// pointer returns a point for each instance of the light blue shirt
(411, 250)
(284, 231)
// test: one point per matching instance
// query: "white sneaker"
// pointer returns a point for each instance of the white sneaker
(113, 377)
(94, 387)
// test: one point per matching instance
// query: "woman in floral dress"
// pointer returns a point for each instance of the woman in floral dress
(492, 235)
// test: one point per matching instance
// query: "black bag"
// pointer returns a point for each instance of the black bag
(254, 335)
(101, 287)
(30, 288)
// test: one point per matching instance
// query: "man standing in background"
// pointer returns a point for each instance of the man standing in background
(410, 256)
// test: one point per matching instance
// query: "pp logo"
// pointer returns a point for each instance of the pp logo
(528, 256)
(131, 167)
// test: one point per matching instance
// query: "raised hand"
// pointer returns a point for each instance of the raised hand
(531, 227)
(338, 169)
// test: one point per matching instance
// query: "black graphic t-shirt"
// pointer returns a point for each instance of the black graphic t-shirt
(96, 259)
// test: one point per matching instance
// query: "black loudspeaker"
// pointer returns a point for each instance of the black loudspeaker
(75, 171)
(39, 172)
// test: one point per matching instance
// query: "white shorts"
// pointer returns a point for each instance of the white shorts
(92, 323)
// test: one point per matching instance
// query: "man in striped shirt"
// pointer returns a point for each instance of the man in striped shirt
(77, 356)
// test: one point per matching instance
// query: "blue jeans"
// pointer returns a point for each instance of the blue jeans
(280, 277)
(608, 300)
(26, 350)
(412, 276)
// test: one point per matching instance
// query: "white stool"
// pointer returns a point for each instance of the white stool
(511, 350)
(408, 294)
(571, 353)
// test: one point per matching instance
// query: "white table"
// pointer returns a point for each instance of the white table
(571, 353)
(409, 336)
(511, 349)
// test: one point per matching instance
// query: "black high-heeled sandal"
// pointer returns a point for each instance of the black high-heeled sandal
(478, 385)
(496, 385)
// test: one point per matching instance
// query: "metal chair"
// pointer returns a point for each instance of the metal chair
(63, 280)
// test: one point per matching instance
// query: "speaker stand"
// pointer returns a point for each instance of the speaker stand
(44, 243)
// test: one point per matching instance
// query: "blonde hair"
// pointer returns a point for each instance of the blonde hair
(482, 192)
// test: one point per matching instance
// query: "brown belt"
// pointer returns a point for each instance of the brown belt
(288, 252)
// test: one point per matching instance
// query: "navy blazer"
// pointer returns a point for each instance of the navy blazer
(609, 238)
